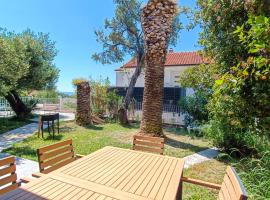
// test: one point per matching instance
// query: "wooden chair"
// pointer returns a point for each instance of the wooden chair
(54, 156)
(8, 176)
(149, 144)
(231, 189)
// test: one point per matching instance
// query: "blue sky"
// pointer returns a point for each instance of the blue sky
(71, 23)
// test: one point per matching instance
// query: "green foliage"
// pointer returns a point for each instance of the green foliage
(123, 35)
(14, 63)
(26, 62)
(99, 90)
(201, 79)
(236, 36)
(194, 108)
(78, 81)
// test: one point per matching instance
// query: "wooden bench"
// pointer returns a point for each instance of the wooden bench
(149, 144)
(8, 176)
(231, 189)
(54, 156)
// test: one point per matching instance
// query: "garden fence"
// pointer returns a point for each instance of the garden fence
(171, 113)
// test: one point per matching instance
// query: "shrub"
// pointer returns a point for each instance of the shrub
(194, 108)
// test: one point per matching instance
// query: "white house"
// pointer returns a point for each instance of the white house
(176, 63)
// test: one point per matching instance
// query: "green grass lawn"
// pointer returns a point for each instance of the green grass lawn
(89, 139)
(7, 124)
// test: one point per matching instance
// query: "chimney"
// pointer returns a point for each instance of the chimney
(171, 50)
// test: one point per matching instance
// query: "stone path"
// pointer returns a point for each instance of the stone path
(200, 157)
(17, 135)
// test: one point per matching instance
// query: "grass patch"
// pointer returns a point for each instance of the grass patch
(7, 124)
(212, 171)
(91, 138)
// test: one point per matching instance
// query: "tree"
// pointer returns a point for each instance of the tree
(236, 36)
(123, 36)
(201, 79)
(157, 21)
(32, 68)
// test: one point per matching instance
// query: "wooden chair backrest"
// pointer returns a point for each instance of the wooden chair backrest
(54, 156)
(8, 176)
(232, 187)
(149, 144)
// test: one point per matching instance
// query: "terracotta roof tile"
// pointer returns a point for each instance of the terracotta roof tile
(174, 59)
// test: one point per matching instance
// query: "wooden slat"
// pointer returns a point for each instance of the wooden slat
(230, 188)
(56, 160)
(174, 184)
(151, 184)
(54, 146)
(7, 170)
(237, 183)
(122, 175)
(163, 187)
(147, 138)
(108, 169)
(89, 168)
(225, 192)
(201, 183)
(51, 154)
(157, 186)
(54, 167)
(8, 179)
(83, 163)
(110, 174)
(144, 143)
(126, 182)
(139, 187)
(141, 148)
(7, 161)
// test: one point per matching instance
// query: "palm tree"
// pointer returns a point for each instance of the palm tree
(157, 20)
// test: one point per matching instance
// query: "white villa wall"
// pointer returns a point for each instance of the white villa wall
(171, 77)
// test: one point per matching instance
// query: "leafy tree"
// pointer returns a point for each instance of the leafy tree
(123, 36)
(27, 65)
(201, 79)
(236, 36)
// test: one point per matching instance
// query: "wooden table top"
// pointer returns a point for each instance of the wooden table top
(109, 173)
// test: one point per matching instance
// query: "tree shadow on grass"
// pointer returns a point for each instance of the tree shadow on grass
(57, 137)
(93, 127)
(182, 145)
(21, 151)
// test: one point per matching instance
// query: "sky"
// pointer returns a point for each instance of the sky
(71, 24)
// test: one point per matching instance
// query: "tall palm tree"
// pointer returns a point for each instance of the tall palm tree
(157, 20)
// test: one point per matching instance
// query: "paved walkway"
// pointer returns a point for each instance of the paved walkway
(200, 157)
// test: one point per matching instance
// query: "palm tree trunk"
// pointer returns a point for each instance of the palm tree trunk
(157, 18)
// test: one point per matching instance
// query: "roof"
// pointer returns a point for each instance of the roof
(174, 59)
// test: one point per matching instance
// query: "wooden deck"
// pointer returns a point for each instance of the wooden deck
(110, 173)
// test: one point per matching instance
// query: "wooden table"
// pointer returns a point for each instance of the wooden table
(109, 173)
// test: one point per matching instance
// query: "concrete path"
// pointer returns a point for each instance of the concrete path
(17, 135)
(200, 157)
(24, 167)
